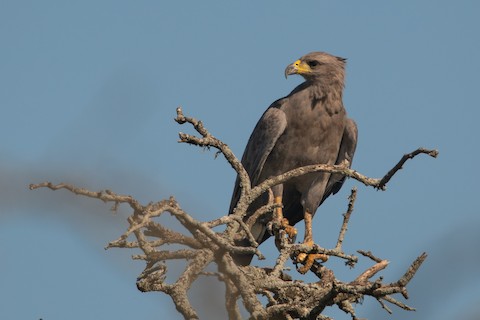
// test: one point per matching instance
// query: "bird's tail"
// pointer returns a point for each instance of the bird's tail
(258, 231)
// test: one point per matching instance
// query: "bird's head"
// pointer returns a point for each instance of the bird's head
(318, 66)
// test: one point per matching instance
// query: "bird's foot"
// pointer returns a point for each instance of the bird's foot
(290, 230)
(308, 259)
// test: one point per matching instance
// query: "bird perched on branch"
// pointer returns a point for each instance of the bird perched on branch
(309, 126)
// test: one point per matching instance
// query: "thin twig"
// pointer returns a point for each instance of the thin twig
(373, 270)
(346, 218)
(370, 255)
(383, 182)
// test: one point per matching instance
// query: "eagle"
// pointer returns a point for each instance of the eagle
(308, 126)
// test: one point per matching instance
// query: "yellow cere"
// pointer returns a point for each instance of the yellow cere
(302, 67)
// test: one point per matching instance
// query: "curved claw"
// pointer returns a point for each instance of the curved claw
(291, 231)
(308, 260)
(294, 237)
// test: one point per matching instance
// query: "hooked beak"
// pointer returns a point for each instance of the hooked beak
(291, 69)
(298, 67)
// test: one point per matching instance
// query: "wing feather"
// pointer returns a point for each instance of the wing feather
(346, 152)
(264, 137)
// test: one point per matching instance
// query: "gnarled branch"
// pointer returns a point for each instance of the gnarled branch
(199, 245)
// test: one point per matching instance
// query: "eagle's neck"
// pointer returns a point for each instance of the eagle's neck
(327, 89)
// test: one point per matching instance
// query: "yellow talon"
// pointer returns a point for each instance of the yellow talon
(291, 231)
(309, 259)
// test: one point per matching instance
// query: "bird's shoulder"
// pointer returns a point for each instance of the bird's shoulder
(271, 124)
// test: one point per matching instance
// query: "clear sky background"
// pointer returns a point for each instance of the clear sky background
(88, 92)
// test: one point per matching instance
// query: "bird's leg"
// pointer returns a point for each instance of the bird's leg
(278, 210)
(291, 231)
(308, 259)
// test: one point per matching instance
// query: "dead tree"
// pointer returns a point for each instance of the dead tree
(200, 246)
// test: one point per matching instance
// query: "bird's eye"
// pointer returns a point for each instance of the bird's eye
(312, 63)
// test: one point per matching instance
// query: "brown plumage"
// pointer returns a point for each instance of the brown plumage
(309, 126)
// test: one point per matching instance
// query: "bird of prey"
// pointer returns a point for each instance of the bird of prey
(309, 126)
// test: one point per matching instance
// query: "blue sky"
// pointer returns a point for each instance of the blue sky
(88, 92)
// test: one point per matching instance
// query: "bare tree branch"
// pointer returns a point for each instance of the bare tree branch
(383, 182)
(200, 246)
(346, 218)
